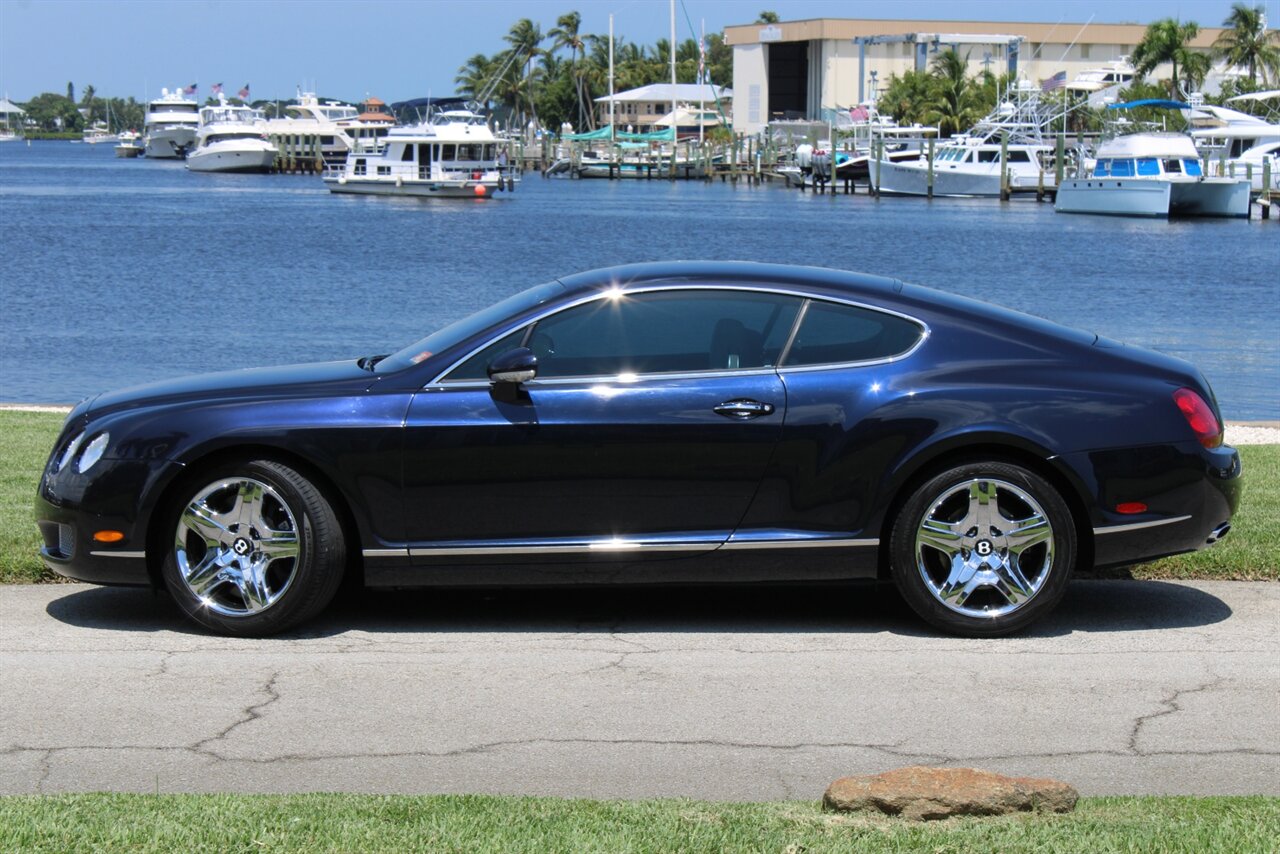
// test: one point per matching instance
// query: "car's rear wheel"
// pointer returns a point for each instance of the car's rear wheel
(983, 549)
(256, 549)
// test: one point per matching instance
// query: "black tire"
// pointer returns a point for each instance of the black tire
(996, 569)
(259, 570)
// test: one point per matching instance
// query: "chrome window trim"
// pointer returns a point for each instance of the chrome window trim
(439, 381)
(138, 555)
(1137, 526)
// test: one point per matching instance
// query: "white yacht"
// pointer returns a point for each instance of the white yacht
(1152, 174)
(1237, 144)
(971, 164)
(171, 125)
(1099, 84)
(453, 154)
(330, 128)
(231, 139)
(128, 144)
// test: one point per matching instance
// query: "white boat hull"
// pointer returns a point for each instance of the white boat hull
(481, 189)
(1154, 197)
(171, 143)
(226, 157)
(911, 178)
(126, 150)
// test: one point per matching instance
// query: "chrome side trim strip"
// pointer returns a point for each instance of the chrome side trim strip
(1137, 526)
(563, 548)
(119, 554)
(799, 544)
(385, 552)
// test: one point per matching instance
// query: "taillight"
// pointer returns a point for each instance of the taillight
(1201, 418)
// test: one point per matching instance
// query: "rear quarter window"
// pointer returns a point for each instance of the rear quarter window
(831, 333)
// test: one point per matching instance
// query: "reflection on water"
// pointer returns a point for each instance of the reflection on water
(124, 271)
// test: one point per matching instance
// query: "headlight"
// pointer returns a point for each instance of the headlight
(93, 452)
(69, 453)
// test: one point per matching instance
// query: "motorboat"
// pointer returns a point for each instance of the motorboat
(129, 144)
(1103, 83)
(171, 125)
(1154, 175)
(97, 133)
(453, 154)
(1010, 141)
(231, 139)
(1236, 144)
(330, 129)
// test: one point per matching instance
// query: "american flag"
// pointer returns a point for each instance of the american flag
(216, 90)
(1057, 81)
(190, 90)
(244, 93)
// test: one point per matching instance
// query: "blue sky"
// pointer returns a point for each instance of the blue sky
(398, 49)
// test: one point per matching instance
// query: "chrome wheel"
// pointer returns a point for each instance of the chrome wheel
(984, 548)
(236, 546)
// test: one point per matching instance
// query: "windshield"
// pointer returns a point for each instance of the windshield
(460, 330)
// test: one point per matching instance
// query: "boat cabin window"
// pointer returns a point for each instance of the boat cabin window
(326, 140)
(362, 166)
(1121, 168)
(1102, 169)
(992, 156)
(384, 170)
(1148, 166)
(449, 151)
(406, 154)
(1191, 167)
(424, 152)
(1172, 166)
(1019, 156)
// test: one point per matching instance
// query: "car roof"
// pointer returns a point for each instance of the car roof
(812, 279)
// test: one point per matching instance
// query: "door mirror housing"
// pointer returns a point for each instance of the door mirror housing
(514, 366)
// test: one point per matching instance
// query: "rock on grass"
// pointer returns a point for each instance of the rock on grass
(922, 794)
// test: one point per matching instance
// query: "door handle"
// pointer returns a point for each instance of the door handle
(743, 409)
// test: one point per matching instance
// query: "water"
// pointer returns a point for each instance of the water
(117, 272)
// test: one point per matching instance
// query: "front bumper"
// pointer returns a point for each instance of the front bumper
(70, 508)
(1191, 493)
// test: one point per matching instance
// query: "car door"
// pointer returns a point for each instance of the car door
(645, 433)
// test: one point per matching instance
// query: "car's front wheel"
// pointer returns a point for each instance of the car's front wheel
(983, 549)
(256, 548)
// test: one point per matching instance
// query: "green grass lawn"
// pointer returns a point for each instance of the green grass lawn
(473, 823)
(1251, 552)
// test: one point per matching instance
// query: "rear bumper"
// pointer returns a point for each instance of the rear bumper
(1191, 493)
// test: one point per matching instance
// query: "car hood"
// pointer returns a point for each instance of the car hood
(300, 380)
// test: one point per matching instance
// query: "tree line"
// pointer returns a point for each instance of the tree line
(947, 97)
(554, 77)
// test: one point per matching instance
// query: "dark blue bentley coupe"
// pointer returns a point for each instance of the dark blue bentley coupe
(658, 423)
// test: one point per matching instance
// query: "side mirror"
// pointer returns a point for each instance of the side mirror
(514, 366)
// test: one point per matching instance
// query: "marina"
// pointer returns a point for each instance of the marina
(357, 275)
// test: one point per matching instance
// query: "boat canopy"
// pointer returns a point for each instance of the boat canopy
(605, 133)
(1162, 103)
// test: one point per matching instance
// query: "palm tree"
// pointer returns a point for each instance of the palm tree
(1166, 41)
(525, 39)
(473, 77)
(1246, 41)
(566, 34)
(952, 106)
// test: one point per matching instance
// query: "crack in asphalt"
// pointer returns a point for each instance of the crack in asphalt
(1172, 706)
(249, 714)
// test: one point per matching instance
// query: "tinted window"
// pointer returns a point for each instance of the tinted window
(477, 367)
(843, 333)
(665, 332)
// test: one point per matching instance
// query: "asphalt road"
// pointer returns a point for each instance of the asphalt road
(1132, 687)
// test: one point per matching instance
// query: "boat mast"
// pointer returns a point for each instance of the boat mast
(673, 83)
(702, 84)
(613, 133)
